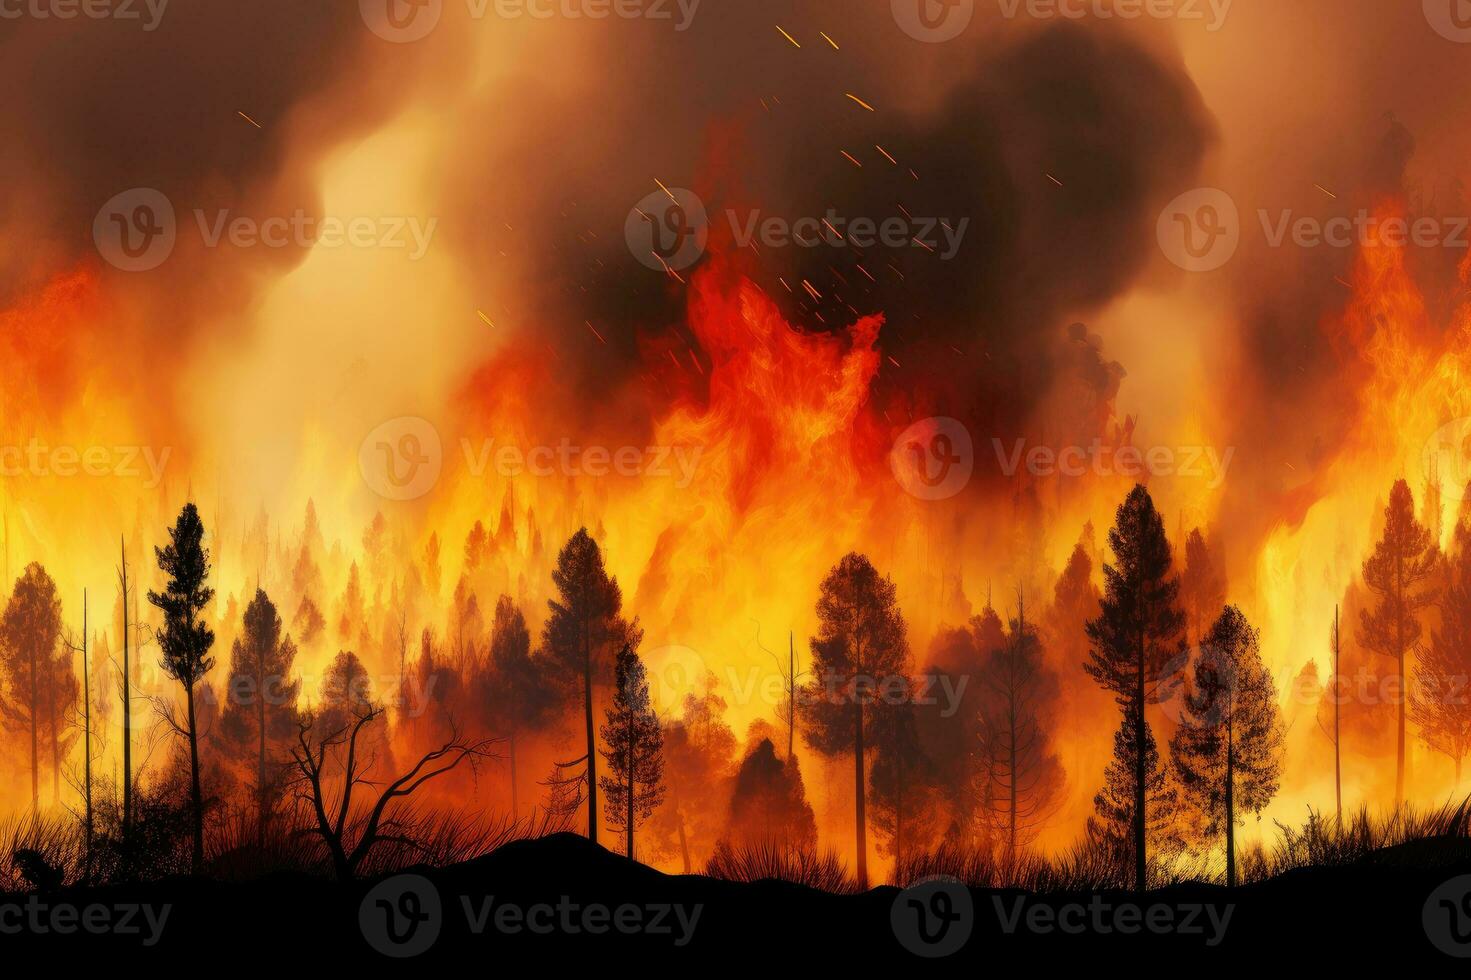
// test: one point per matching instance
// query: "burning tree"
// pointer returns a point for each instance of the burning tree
(1440, 704)
(1022, 773)
(330, 766)
(38, 675)
(1228, 748)
(1138, 634)
(861, 646)
(261, 699)
(769, 805)
(1400, 573)
(698, 747)
(514, 688)
(635, 749)
(1202, 584)
(1115, 805)
(583, 624)
(185, 640)
(904, 781)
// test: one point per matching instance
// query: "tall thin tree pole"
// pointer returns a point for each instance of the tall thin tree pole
(1337, 689)
(791, 693)
(127, 703)
(87, 725)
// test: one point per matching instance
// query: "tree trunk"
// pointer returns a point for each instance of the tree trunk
(1141, 863)
(515, 808)
(260, 784)
(196, 798)
(859, 787)
(684, 843)
(127, 707)
(629, 788)
(1230, 805)
(55, 734)
(1337, 701)
(35, 737)
(592, 765)
(87, 726)
(1399, 623)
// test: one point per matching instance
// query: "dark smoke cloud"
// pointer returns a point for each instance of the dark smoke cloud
(732, 110)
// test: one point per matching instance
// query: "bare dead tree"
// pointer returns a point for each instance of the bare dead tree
(74, 646)
(348, 839)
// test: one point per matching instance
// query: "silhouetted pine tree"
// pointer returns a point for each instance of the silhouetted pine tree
(1202, 585)
(583, 624)
(1023, 774)
(1399, 574)
(769, 805)
(514, 687)
(38, 674)
(1440, 704)
(186, 639)
(1113, 820)
(1138, 634)
(860, 646)
(634, 784)
(260, 702)
(1228, 749)
(904, 781)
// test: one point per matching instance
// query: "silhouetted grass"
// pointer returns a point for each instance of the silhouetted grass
(774, 860)
(1406, 835)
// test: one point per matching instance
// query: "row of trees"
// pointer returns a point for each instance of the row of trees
(990, 772)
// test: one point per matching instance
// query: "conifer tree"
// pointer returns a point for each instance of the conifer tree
(1227, 751)
(584, 623)
(1138, 635)
(635, 745)
(1400, 574)
(186, 639)
(861, 646)
(260, 702)
(1440, 702)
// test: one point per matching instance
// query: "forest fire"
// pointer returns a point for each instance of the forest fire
(963, 468)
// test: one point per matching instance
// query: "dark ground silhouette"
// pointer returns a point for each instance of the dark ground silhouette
(561, 899)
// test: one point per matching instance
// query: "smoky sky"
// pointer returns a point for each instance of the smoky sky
(1043, 152)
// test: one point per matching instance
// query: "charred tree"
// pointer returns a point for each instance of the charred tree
(1138, 635)
(1400, 574)
(861, 646)
(185, 640)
